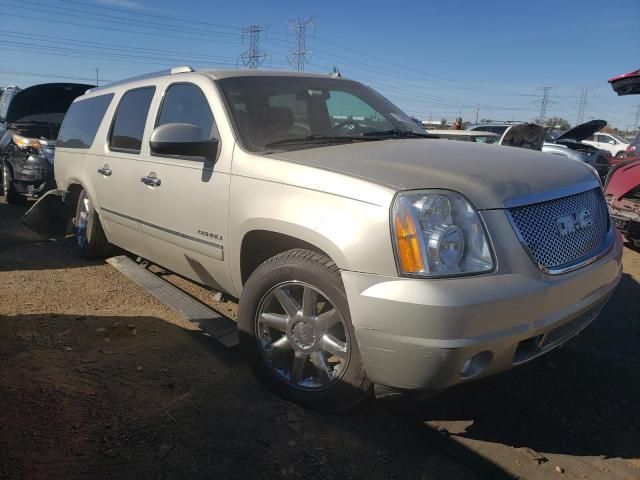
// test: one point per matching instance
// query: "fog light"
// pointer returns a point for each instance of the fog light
(477, 364)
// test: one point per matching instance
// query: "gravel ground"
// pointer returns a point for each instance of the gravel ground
(99, 380)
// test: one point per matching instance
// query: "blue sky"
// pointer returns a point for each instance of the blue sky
(433, 59)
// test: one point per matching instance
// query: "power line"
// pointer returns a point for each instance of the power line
(51, 39)
(149, 15)
(48, 75)
(83, 13)
(299, 55)
(254, 57)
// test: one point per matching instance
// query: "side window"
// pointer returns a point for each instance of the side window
(592, 138)
(82, 121)
(128, 126)
(185, 103)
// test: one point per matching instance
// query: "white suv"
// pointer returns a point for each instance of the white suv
(363, 251)
(609, 142)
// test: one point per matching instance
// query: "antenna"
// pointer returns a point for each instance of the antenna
(299, 55)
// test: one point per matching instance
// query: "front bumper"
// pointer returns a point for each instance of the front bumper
(34, 176)
(416, 334)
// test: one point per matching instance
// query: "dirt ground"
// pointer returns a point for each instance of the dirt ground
(98, 380)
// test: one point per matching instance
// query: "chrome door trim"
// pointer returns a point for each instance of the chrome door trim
(166, 230)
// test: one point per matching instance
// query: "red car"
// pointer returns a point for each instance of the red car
(622, 187)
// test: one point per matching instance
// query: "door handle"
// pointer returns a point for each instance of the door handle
(151, 180)
(106, 171)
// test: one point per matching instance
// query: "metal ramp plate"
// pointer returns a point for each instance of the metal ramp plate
(221, 328)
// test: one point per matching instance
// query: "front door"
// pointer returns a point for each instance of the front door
(185, 202)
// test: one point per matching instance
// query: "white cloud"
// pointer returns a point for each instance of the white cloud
(121, 3)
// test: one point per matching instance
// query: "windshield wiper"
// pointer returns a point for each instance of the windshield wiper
(319, 138)
(397, 133)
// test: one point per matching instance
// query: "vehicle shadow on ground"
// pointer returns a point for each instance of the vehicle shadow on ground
(50, 253)
(581, 399)
(138, 397)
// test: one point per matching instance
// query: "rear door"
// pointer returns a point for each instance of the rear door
(117, 174)
(185, 219)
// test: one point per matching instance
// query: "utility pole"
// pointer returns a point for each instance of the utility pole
(97, 81)
(637, 122)
(299, 55)
(582, 107)
(544, 102)
(254, 57)
(477, 112)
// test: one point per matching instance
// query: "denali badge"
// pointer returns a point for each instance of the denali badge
(576, 221)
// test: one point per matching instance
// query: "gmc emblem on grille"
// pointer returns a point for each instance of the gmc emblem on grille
(574, 222)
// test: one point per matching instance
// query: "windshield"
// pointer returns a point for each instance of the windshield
(618, 138)
(552, 134)
(301, 112)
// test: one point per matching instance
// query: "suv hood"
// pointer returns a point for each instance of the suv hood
(487, 174)
(583, 131)
(44, 104)
(627, 84)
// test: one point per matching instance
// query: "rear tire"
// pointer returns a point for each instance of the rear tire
(90, 241)
(314, 332)
(11, 196)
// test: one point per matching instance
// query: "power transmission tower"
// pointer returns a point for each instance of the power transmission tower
(477, 112)
(299, 55)
(254, 57)
(544, 102)
(637, 122)
(582, 107)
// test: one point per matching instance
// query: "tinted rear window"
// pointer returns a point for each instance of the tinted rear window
(131, 117)
(82, 121)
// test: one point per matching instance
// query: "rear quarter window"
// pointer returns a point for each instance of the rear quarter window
(82, 121)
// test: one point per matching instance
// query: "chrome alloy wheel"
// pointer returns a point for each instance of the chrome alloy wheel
(302, 336)
(82, 219)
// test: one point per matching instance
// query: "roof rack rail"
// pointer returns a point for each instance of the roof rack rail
(160, 73)
(181, 69)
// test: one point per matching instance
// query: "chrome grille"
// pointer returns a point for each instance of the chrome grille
(537, 227)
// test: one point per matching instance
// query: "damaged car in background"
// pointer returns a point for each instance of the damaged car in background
(622, 189)
(569, 144)
(30, 120)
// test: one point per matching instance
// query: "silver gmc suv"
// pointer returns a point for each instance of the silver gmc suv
(362, 250)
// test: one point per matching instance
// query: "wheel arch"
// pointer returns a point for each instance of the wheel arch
(259, 244)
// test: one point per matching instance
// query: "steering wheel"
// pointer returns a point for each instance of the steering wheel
(350, 125)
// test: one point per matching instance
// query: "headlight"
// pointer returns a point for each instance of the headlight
(438, 233)
(24, 142)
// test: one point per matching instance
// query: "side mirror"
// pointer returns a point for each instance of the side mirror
(612, 142)
(182, 139)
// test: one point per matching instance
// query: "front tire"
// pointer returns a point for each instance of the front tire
(11, 196)
(296, 331)
(90, 241)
